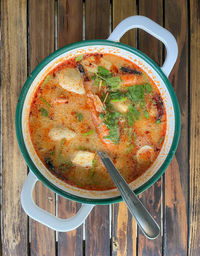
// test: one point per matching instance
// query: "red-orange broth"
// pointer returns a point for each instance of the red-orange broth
(97, 102)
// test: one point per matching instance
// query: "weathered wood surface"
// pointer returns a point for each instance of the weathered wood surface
(41, 44)
(124, 228)
(194, 239)
(69, 31)
(14, 72)
(176, 176)
(152, 196)
(97, 240)
(180, 188)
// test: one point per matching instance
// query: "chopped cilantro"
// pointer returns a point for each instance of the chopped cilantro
(136, 93)
(146, 114)
(79, 116)
(88, 133)
(148, 88)
(79, 58)
(130, 147)
(158, 121)
(103, 71)
(132, 115)
(44, 112)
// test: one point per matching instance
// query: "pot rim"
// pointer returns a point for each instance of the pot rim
(32, 76)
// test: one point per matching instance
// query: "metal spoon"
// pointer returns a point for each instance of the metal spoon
(144, 220)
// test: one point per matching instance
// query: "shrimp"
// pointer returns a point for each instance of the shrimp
(95, 105)
(132, 79)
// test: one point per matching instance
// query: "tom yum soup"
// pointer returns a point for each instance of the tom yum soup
(97, 102)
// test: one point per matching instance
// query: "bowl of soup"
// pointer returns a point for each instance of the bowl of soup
(99, 95)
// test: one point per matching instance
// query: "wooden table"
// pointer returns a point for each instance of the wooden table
(31, 30)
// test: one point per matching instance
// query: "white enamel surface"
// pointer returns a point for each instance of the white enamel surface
(164, 93)
(155, 30)
(46, 218)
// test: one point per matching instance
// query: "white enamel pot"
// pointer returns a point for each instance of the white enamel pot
(90, 198)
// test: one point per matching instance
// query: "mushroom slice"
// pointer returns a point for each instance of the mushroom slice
(70, 79)
(121, 106)
(61, 133)
(83, 158)
(145, 155)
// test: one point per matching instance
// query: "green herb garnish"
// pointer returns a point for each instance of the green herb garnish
(47, 103)
(44, 112)
(88, 133)
(94, 163)
(79, 58)
(46, 80)
(129, 149)
(103, 71)
(158, 121)
(146, 114)
(136, 93)
(132, 115)
(79, 116)
(61, 145)
(148, 88)
(105, 75)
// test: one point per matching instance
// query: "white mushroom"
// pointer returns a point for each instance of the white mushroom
(121, 106)
(60, 133)
(83, 158)
(70, 79)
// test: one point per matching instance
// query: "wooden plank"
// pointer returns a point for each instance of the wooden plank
(69, 31)
(14, 170)
(122, 10)
(41, 29)
(194, 238)
(124, 228)
(176, 177)
(97, 240)
(152, 197)
(97, 19)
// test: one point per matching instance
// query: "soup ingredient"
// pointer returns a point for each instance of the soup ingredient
(79, 57)
(61, 133)
(83, 158)
(130, 70)
(121, 106)
(70, 79)
(44, 112)
(87, 105)
(79, 116)
(89, 133)
(145, 155)
(46, 81)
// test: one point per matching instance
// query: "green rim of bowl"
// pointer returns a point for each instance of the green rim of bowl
(18, 121)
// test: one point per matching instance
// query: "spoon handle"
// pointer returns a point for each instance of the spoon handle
(145, 221)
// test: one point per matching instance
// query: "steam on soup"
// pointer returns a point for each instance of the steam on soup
(97, 102)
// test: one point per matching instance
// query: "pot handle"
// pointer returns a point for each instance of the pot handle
(42, 216)
(155, 30)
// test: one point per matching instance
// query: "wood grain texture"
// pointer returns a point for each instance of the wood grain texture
(194, 239)
(69, 30)
(124, 228)
(97, 19)
(124, 231)
(14, 170)
(41, 29)
(152, 196)
(70, 22)
(122, 10)
(97, 240)
(176, 177)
